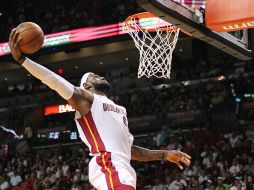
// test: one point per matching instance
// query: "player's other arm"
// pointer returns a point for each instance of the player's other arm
(80, 98)
(175, 156)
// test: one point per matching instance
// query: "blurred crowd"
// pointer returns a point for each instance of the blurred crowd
(63, 15)
(224, 66)
(46, 170)
(177, 99)
(182, 96)
(212, 67)
(221, 159)
(206, 92)
(223, 162)
(208, 97)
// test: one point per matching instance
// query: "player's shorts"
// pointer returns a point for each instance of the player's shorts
(108, 171)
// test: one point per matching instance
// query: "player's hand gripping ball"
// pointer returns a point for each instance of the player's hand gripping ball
(27, 38)
(32, 37)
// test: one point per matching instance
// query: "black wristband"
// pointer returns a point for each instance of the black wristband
(21, 59)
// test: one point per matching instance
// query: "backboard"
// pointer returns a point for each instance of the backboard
(189, 16)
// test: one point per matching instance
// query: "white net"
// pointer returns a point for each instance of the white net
(155, 48)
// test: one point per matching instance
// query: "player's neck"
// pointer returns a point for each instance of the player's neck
(98, 92)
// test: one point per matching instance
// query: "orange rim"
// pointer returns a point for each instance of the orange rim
(165, 26)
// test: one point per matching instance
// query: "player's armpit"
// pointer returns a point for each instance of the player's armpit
(81, 100)
(143, 154)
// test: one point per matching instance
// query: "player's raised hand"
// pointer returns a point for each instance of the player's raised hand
(177, 157)
(14, 41)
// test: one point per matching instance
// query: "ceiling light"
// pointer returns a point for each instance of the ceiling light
(101, 63)
(76, 67)
(126, 58)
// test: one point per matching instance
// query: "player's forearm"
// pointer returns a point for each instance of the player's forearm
(143, 154)
(52, 80)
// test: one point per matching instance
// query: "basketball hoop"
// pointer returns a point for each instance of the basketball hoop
(156, 40)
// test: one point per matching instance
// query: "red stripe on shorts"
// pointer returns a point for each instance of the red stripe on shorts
(111, 173)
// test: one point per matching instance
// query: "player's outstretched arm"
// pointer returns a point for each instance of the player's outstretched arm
(80, 98)
(175, 156)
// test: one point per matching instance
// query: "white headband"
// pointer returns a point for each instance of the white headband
(84, 78)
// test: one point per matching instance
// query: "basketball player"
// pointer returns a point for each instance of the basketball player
(102, 126)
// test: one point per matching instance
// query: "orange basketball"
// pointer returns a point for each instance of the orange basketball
(32, 37)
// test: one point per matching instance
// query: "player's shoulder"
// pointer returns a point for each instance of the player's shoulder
(83, 94)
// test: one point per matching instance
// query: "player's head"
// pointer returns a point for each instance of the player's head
(94, 82)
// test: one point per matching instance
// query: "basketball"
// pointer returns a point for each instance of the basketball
(32, 37)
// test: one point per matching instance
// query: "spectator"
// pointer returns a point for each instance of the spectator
(50, 178)
(28, 134)
(4, 185)
(249, 183)
(158, 184)
(235, 168)
(77, 176)
(209, 185)
(15, 179)
(194, 185)
(65, 168)
(31, 181)
(221, 185)
(252, 150)
(178, 184)
(233, 139)
(168, 182)
(162, 136)
(4, 181)
(75, 186)
(202, 177)
(237, 185)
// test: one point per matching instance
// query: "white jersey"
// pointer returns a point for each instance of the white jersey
(104, 129)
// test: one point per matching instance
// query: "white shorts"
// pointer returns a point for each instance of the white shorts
(108, 171)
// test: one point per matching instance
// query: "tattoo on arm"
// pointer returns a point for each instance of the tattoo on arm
(143, 154)
(81, 100)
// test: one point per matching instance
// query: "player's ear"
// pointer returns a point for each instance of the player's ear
(87, 86)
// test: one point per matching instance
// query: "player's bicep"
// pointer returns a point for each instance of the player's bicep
(82, 94)
(81, 100)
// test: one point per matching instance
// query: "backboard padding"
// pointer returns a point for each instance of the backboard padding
(187, 19)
